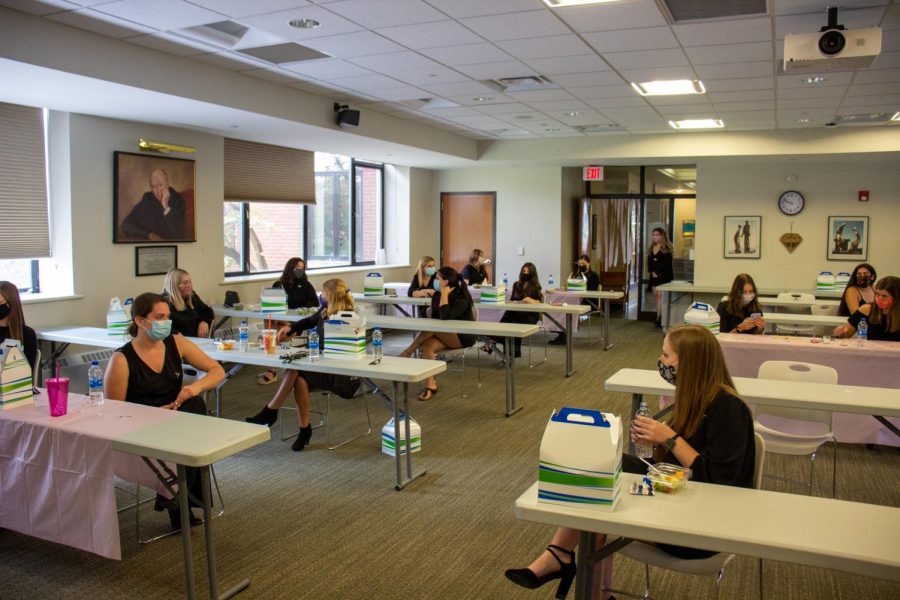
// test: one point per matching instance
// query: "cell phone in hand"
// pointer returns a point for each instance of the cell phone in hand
(755, 315)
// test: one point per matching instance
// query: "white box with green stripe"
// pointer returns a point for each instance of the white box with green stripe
(273, 300)
(373, 285)
(390, 438)
(494, 294)
(15, 376)
(581, 459)
(704, 315)
(117, 318)
(345, 336)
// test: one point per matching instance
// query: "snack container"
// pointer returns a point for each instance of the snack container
(670, 478)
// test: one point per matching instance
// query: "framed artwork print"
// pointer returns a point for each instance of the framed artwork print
(687, 228)
(153, 199)
(742, 237)
(848, 238)
(154, 260)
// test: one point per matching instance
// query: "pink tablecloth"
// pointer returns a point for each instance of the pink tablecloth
(56, 473)
(875, 365)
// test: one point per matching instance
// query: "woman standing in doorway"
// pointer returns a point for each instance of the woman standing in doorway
(659, 263)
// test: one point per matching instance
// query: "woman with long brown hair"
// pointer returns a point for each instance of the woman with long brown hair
(12, 321)
(882, 315)
(710, 431)
(740, 311)
(660, 266)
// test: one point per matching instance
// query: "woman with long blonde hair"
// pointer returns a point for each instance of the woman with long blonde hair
(337, 299)
(420, 286)
(710, 431)
(190, 315)
(660, 266)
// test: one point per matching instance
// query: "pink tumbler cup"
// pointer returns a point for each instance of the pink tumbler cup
(58, 393)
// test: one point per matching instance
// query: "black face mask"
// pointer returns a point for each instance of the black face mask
(4, 310)
(524, 277)
(582, 268)
(862, 281)
(299, 273)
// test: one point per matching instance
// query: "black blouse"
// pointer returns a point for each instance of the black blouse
(414, 286)
(188, 320)
(661, 264)
(146, 386)
(29, 344)
(474, 275)
(728, 322)
(877, 331)
(300, 294)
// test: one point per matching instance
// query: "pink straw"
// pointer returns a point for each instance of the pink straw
(58, 364)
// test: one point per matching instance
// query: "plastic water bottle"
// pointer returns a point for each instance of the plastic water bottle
(244, 337)
(95, 384)
(550, 282)
(377, 344)
(313, 345)
(642, 450)
(862, 333)
(505, 281)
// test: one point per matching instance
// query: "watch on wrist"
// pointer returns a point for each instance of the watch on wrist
(670, 443)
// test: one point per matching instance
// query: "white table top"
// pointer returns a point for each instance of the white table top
(221, 311)
(687, 286)
(85, 336)
(542, 307)
(516, 330)
(774, 301)
(819, 532)
(595, 295)
(774, 392)
(773, 318)
(387, 299)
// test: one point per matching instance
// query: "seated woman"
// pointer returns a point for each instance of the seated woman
(451, 302)
(300, 294)
(710, 431)
(474, 273)
(859, 290)
(882, 316)
(421, 286)
(592, 281)
(740, 312)
(337, 299)
(147, 370)
(190, 315)
(526, 289)
(12, 322)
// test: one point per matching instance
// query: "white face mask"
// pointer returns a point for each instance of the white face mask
(747, 299)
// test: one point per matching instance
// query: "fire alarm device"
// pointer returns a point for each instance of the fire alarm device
(863, 195)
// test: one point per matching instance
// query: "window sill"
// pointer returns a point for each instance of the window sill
(315, 273)
(42, 298)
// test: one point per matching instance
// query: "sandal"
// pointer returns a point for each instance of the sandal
(267, 377)
(427, 394)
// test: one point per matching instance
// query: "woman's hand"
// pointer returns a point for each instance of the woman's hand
(282, 333)
(203, 329)
(760, 323)
(842, 331)
(646, 430)
(527, 300)
(429, 293)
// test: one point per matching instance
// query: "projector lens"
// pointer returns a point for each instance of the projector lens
(831, 43)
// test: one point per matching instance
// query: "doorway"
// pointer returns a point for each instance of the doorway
(467, 222)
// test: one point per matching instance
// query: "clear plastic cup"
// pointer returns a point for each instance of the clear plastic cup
(58, 395)
(269, 336)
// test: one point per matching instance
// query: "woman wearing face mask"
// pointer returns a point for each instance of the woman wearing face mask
(190, 315)
(526, 289)
(592, 283)
(451, 301)
(421, 285)
(736, 313)
(882, 315)
(475, 273)
(12, 322)
(859, 290)
(147, 370)
(710, 430)
(659, 264)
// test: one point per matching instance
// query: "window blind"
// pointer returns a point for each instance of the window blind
(261, 172)
(24, 226)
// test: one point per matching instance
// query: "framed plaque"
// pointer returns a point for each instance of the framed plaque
(154, 260)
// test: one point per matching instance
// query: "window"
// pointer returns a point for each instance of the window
(343, 228)
(21, 272)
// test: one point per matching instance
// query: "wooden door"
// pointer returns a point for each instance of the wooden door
(467, 222)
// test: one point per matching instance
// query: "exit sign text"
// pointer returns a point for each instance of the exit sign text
(592, 174)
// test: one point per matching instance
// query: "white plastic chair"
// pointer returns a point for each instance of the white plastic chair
(803, 308)
(714, 566)
(824, 310)
(780, 440)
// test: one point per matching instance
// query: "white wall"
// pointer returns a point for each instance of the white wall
(528, 213)
(752, 186)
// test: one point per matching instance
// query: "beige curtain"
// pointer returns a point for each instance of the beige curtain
(615, 241)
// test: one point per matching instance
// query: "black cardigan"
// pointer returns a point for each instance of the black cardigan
(300, 293)
(188, 320)
(728, 322)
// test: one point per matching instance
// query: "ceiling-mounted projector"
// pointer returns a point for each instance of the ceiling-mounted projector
(833, 48)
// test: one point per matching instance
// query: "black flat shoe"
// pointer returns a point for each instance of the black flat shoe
(175, 519)
(162, 503)
(302, 438)
(559, 340)
(527, 579)
(267, 416)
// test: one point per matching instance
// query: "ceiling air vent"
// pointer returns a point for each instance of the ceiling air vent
(692, 10)
(283, 53)
(607, 128)
(521, 84)
(224, 34)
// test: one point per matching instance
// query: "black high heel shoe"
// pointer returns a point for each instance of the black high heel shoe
(527, 579)
(302, 438)
(171, 504)
(267, 416)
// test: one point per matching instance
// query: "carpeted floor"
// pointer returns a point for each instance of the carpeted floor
(328, 524)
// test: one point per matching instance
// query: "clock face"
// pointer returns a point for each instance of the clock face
(791, 203)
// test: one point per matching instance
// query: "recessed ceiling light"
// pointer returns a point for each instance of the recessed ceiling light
(524, 117)
(896, 116)
(304, 23)
(803, 120)
(813, 80)
(552, 129)
(559, 3)
(573, 113)
(697, 124)
(483, 99)
(669, 88)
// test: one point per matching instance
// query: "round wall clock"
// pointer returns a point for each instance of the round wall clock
(791, 202)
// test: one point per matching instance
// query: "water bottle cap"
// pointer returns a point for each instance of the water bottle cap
(95, 363)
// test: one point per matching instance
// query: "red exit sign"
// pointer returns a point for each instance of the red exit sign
(592, 174)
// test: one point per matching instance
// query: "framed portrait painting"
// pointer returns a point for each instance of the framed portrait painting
(848, 238)
(153, 199)
(743, 237)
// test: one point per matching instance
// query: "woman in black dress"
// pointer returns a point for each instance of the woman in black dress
(12, 322)
(148, 370)
(882, 316)
(450, 302)
(421, 286)
(859, 290)
(736, 313)
(474, 273)
(659, 264)
(526, 289)
(190, 315)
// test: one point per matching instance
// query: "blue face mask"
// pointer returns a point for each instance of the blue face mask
(160, 330)
(430, 271)
(437, 284)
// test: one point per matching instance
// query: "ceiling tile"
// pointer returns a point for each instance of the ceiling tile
(747, 105)
(274, 75)
(559, 106)
(242, 8)
(396, 62)
(499, 70)
(616, 15)
(467, 54)
(516, 26)
(501, 108)
(735, 70)
(603, 91)
(431, 35)
(747, 115)
(830, 103)
(853, 108)
(277, 23)
(160, 14)
(539, 95)
(812, 92)
(481, 101)
(588, 79)
(685, 100)
(627, 40)
(887, 60)
(351, 45)
(460, 88)
(811, 23)
(716, 97)
(401, 93)
(546, 47)
(893, 99)
(757, 29)
(431, 77)
(624, 61)
(631, 115)
(617, 102)
(564, 65)
(386, 13)
(366, 83)
(107, 25)
(327, 68)
(877, 76)
(459, 9)
(872, 89)
(659, 74)
(37, 7)
(734, 85)
(831, 79)
(729, 53)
